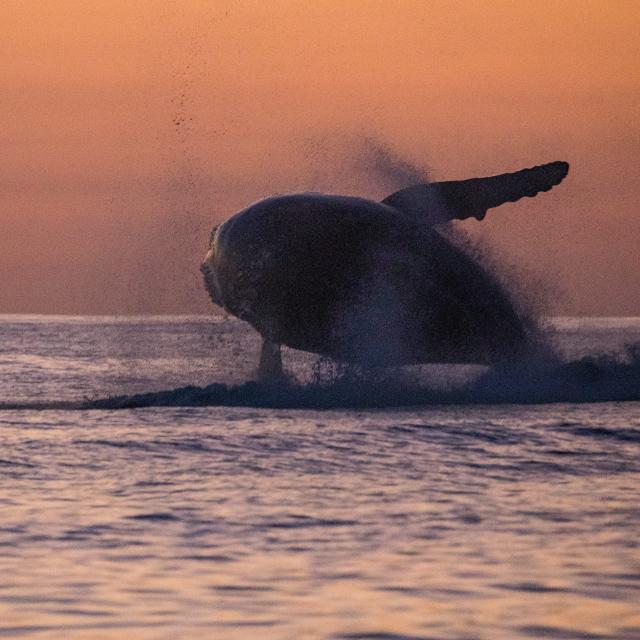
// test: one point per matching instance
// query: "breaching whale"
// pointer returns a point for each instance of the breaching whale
(373, 283)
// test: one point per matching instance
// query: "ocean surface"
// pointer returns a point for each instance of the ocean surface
(148, 491)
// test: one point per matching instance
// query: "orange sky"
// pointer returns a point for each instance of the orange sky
(129, 127)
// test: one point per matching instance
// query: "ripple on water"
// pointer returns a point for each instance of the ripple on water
(429, 522)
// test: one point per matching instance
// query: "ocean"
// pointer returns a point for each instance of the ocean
(149, 491)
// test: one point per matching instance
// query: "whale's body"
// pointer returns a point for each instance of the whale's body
(370, 282)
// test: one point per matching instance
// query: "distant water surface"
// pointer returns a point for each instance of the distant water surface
(435, 522)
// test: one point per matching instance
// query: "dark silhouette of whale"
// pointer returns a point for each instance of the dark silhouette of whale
(373, 283)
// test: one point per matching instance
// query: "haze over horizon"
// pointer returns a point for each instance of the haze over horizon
(129, 128)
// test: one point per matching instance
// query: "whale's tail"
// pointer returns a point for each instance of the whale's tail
(440, 202)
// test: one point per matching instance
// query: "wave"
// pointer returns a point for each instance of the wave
(595, 378)
(601, 378)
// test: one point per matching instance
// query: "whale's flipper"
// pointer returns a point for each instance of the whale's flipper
(440, 202)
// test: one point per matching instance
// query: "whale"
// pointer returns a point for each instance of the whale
(376, 284)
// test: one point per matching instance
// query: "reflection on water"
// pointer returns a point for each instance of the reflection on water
(439, 522)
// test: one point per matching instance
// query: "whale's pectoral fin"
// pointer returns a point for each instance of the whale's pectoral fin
(440, 202)
(270, 367)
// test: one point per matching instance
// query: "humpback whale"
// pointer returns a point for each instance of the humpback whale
(372, 283)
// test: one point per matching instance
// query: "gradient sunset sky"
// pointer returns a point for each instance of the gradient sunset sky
(130, 127)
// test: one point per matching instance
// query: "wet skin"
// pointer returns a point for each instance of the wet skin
(355, 280)
(375, 283)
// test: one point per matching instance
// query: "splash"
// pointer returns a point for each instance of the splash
(601, 378)
(514, 296)
(380, 160)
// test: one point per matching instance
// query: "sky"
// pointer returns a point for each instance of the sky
(129, 128)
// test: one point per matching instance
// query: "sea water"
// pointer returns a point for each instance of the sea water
(443, 520)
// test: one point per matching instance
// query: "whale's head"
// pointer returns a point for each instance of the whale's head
(208, 269)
